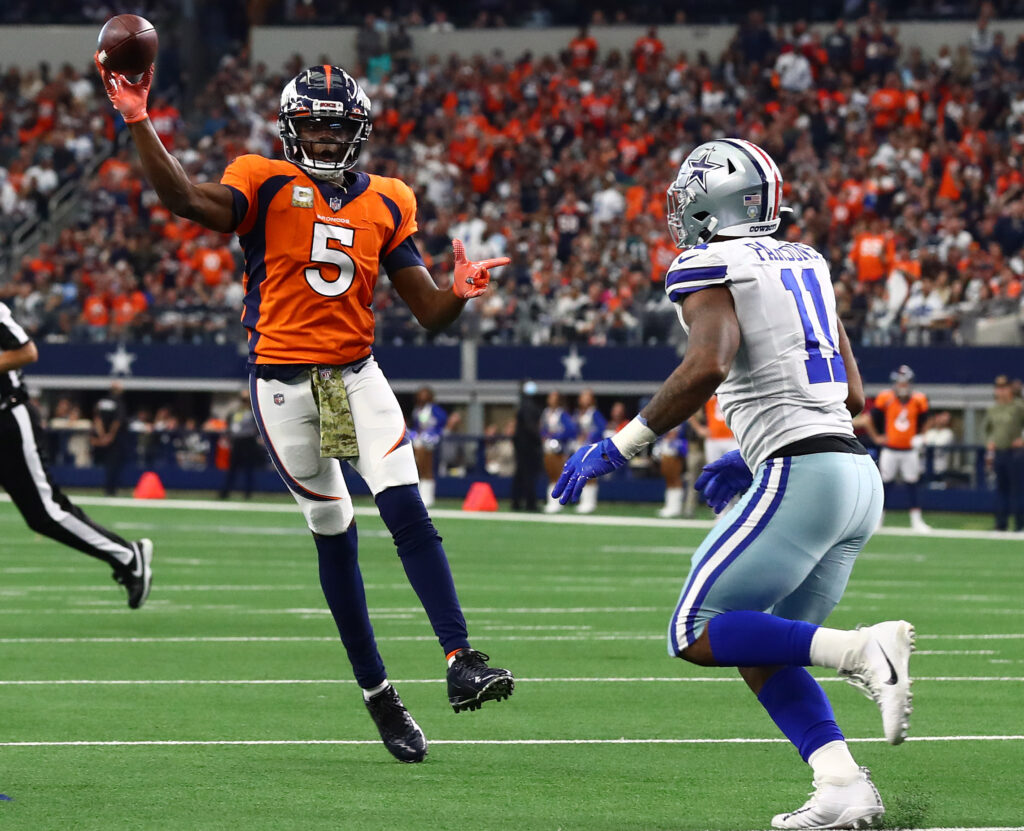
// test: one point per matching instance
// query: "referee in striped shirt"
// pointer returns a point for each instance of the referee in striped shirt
(24, 475)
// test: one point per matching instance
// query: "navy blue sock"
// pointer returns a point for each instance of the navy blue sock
(800, 708)
(425, 563)
(342, 583)
(756, 639)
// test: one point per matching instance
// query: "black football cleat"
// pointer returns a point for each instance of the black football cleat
(399, 732)
(137, 576)
(471, 682)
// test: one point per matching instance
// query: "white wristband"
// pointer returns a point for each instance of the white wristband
(634, 437)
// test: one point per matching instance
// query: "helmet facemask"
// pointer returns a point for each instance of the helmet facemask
(325, 146)
(687, 227)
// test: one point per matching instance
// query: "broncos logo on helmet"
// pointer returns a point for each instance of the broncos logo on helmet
(324, 121)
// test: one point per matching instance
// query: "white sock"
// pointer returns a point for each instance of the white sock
(427, 492)
(833, 764)
(829, 647)
(370, 693)
(588, 498)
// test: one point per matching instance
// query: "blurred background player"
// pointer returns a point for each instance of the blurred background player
(109, 436)
(428, 423)
(246, 452)
(1003, 430)
(898, 419)
(557, 431)
(719, 439)
(671, 451)
(24, 474)
(315, 234)
(590, 428)
(528, 448)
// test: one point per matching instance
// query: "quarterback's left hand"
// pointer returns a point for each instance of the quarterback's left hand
(586, 463)
(723, 479)
(471, 276)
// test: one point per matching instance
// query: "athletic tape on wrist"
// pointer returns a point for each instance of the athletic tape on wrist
(634, 437)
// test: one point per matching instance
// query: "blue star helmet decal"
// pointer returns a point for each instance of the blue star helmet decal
(699, 170)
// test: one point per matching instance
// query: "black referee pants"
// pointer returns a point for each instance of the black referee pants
(24, 474)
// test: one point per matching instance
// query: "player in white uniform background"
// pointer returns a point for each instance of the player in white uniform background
(762, 331)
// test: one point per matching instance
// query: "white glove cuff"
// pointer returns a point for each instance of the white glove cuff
(634, 437)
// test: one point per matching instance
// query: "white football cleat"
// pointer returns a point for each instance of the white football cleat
(880, 669)
(854, 805)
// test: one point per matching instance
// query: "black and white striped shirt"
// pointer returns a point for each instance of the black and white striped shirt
(12, 336)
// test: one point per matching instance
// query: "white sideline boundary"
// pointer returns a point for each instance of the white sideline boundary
(500, 516)
(471, 742)
(284, 682)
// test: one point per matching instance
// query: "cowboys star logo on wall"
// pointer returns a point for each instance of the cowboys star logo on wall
(699, 169)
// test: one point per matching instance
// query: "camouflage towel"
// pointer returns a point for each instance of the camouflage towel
(337, 429)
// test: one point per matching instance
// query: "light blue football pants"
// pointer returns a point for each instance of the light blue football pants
(787, 547)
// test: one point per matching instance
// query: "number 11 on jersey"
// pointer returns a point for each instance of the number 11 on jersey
(820, 370)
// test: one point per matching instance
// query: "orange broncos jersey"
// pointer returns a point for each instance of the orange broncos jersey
(902, 418)
(717, 428)
(313, 251)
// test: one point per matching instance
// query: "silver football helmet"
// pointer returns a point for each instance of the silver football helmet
(725, 187)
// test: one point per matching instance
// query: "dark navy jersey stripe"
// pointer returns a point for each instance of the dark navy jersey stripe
(396, 216)
(405, 254)
(760, 172)
(239, 206)
(254, 246)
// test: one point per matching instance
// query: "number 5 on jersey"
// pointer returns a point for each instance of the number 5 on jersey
(323, 251)
(820, 370)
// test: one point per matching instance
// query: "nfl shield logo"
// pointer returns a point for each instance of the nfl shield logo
(335, 203)
(325, 373)
(279, 398)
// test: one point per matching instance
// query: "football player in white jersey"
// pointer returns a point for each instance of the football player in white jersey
(762, 329)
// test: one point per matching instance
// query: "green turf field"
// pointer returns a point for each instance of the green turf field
(226, 701)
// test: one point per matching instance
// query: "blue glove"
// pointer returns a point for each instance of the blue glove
(586, 463)
(723, 479)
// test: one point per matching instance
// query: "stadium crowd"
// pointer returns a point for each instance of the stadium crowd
(906, 171)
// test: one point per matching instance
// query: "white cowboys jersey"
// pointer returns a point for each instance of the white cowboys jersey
(788, 381)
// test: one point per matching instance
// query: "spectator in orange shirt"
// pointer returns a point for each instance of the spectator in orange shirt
(887, 104)
(96, 315)
(647, 51)
(872, 253)
(583, 49)
(166, 120)
(661, 253)
(212, 260)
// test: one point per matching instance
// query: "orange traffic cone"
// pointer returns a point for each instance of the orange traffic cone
(149, 487)
(480, 498)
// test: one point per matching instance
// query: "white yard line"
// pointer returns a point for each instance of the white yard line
(478, 742)
(500, 516)
(581, 636)
(260, 682)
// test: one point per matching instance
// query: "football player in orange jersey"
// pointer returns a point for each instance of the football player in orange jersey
(897, 422)
(315, 234)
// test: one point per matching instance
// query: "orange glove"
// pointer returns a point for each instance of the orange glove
(128, 99)
(471, 278)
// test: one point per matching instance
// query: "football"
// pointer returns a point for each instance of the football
(127, 44)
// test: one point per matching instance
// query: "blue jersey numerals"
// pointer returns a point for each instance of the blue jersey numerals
(820, 370)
